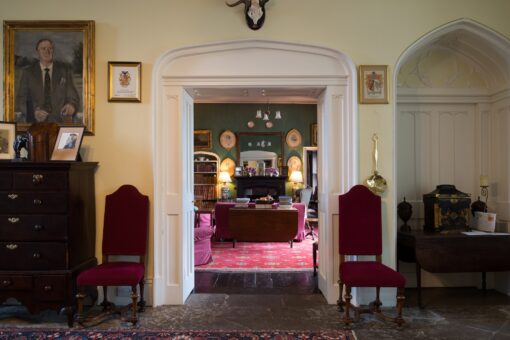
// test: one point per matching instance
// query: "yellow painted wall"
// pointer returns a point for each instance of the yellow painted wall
(369, 31)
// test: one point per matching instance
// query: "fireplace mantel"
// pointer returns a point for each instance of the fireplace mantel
(258, 186)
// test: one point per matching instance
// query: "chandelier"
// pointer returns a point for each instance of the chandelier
(266, 116)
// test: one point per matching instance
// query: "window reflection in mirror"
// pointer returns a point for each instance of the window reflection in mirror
(259, 146)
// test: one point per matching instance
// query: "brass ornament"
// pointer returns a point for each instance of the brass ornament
(376, 183)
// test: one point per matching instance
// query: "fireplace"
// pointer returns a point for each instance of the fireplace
(258, 186)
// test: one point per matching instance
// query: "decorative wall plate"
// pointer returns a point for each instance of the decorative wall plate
(293, 138)
(229, 165)
(250, 124)
(269, 125)
(294, 164)
(227, 139)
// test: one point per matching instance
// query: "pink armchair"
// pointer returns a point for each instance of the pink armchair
(203, 234)
(221, 214)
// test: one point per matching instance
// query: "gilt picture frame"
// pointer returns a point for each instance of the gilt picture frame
(202, 139)
(313, 134)
(373, 84)
(7, 136)
(69, 48)
(125, 81)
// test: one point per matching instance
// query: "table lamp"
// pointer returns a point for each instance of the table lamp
(295, 177)
(225, 190)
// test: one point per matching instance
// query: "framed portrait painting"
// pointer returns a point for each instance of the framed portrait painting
(124, 81)
(373, 84)
(49, 73)
(202, 139)
(68, 143)
(7, 135)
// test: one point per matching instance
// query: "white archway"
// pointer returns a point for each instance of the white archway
(477, 108)
(252, 63)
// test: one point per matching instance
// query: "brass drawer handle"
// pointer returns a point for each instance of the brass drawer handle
(12, 196)
(11, 246)
(37, 201)
(6, 283)
(48, 288)
(36, 255)
(38, 227)
(37, 178)
(13, 220)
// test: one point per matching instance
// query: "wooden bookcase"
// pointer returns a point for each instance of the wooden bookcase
(206, 167)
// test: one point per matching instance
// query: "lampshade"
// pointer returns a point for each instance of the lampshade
(484, 181)
(224, 177)
(296, 177)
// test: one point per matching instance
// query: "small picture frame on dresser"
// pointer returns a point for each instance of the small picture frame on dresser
(7, 136)
(68, 143)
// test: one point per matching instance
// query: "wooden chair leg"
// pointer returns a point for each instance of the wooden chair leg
(400, 304)
(340, 301)
(79, 300)
(141, 303)
(347, 317)
(377, 302)
(134, 299)
(106, 304)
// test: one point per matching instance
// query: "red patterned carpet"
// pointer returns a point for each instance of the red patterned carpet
(73, 334)
(261, 256)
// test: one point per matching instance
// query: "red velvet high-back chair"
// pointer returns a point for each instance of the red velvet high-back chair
(360, 234)
(126, 220)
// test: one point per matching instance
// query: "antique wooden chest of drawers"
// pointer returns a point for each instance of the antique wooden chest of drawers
(47, 231)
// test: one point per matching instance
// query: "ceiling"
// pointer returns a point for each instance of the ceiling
(283, 95)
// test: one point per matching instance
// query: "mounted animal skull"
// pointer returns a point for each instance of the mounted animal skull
(254, 11)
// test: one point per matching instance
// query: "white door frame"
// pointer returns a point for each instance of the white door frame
(251, 63)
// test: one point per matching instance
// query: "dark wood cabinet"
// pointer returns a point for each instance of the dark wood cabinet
(47, 231)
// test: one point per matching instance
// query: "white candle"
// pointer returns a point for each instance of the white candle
(484, 181)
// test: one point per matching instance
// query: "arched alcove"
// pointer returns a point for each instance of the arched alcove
(252, 63)
(451, 117)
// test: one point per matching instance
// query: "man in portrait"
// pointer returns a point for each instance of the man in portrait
(71, 141)
(46, 91)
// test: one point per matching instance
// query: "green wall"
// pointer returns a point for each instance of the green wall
(234, 117)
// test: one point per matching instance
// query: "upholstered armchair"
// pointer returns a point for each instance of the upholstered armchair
(203, 233)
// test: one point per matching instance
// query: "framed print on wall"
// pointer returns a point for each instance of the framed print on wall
(7, 136)
(202, 139)
(124, 81)
(313, 134)
(67, 49)
(373, 84)
(68, 143)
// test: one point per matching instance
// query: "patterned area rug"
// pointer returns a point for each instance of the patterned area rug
(261, 256)
(19, 333)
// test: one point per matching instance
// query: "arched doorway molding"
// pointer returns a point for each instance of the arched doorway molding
(489, 51)
(251, 63)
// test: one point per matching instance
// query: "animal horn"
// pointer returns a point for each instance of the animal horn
(237, 3)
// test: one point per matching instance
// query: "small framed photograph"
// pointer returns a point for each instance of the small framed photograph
(202, 139)
(313, 134)
(7, 136)
(238, 171)
(124, 81)
(373, 84)
(68, 143)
